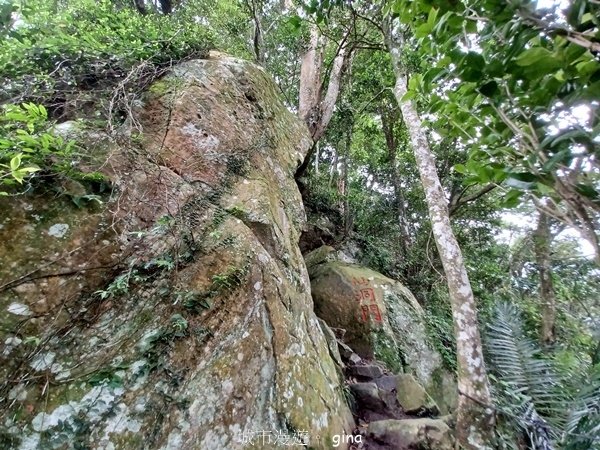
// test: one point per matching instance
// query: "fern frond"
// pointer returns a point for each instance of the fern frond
(530, 391)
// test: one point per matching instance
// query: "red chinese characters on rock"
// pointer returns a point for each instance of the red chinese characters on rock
(370, 311)
(365, 296)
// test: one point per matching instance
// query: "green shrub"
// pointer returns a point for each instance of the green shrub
(56, 51)
(27, 146)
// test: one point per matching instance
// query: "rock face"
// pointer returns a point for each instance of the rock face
(412, 434)
(382, 320)
(178, 313)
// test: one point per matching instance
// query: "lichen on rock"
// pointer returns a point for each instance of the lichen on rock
(178, 313)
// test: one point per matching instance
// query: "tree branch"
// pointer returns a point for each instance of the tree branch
(460, 201)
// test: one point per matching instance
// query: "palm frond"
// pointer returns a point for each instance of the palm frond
(519, 363)
(582, 429)
(527, 381)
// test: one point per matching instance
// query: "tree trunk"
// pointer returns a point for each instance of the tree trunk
(475, 418)
(388, 122)
(311, 66)
(346, 192)
(317, 103)
(334, 167)
(259, 48)
(166, 6)
(542, 244)
(254, 8)
(140, 5)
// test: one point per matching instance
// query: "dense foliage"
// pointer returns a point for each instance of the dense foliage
(78, 59)
(55, 53)
(517, 86)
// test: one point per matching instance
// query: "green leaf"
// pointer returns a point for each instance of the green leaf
(512, 198)
(432, 17)
(544, 189)
(471, 67)
(410, 95)
(20, 174)
(586, 68)
(15, 162)
(563, 157)
(518, 184)
(415, 82)
(588, 191)
(423, 30)
(295, 22)
(538, 56)
(460, 168)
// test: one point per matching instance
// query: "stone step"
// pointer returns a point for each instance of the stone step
(369, 371)
(371, 403)
(387, 383)
(366, 395)
(432, 434)
(413, 398)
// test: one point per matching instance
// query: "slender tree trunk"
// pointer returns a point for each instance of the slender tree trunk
(259, 48)
(333, 168)
(254, 8)
(346, 193)
(388, 122)
(475, 418)
(542, 244)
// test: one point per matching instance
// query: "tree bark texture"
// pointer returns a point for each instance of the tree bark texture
(316, 101)
(475, 417)
(542, 245)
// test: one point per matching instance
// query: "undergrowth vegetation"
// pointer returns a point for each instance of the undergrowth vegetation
(553, 403)
(28, 146)
(64, 56)
(78, 59)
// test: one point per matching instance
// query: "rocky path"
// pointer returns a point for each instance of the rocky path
(393, 411)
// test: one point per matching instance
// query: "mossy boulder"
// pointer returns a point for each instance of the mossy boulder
(381, 319)
(413, 398)
(178, 313)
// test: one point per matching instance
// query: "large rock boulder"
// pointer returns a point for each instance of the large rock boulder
(381, 318)
(177, 314)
